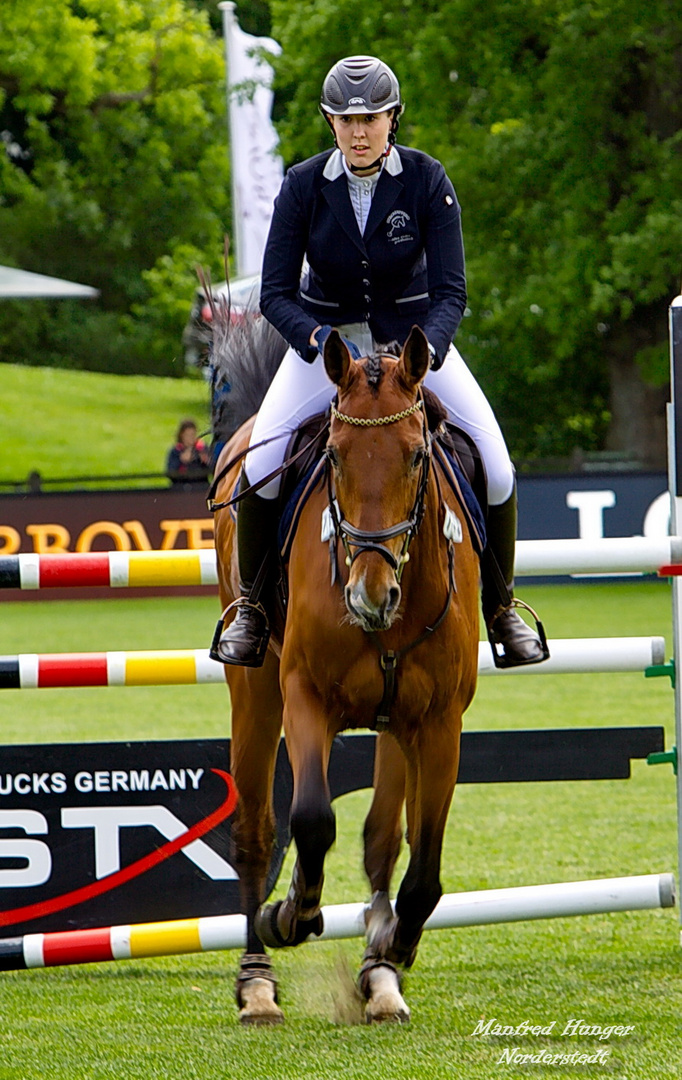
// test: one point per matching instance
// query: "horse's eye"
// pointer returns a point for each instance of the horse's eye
(332, 457)
(417, 458)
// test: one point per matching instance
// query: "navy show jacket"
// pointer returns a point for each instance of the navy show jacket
(407, 268)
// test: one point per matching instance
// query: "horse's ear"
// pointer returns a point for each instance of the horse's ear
(415, 358)
(337, 359)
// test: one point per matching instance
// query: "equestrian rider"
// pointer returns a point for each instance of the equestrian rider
(379, 225)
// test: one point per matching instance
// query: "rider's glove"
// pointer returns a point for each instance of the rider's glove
(322, 335)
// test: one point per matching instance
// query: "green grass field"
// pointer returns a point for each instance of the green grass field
(80, 423)
(174, 1018)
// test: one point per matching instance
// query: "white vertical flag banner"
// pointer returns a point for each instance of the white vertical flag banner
(256, 168)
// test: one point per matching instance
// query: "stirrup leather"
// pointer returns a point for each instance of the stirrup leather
(500, 658)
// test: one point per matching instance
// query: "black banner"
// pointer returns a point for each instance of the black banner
(102, 834)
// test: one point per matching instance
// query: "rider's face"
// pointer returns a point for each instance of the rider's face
(362, 137)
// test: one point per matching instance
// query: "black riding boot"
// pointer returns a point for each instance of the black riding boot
(513, 642)
(245, 640)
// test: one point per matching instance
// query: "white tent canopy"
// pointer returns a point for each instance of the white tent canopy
(20, 284)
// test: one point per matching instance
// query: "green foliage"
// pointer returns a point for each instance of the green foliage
(560, 125)
(117, 161)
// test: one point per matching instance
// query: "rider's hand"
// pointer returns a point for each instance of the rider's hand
(323, 332)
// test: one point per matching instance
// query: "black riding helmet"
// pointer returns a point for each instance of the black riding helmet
(362, 84)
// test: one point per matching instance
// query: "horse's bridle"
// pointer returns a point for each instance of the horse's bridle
(364, 540)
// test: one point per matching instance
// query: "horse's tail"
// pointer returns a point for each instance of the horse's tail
(244, 355)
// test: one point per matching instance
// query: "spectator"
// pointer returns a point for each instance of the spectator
(188, 461)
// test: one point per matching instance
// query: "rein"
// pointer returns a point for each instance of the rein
(210, 498)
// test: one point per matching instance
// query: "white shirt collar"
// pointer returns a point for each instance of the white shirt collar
(334, 167)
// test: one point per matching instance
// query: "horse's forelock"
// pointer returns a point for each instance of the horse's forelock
(374, 367)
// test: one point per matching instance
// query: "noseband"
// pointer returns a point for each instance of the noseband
(364, 540)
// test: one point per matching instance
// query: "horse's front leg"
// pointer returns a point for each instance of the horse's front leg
(379, 979)
(432, 764)
(313, 825)
(256, 728)
(383, 830)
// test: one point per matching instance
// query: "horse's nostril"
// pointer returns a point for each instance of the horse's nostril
(393, 598)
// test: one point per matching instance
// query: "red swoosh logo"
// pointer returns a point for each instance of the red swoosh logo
(120, 877)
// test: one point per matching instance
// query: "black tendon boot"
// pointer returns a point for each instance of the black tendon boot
(513, 642)
(245, 640)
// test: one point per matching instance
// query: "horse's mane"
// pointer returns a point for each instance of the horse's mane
(243, 359)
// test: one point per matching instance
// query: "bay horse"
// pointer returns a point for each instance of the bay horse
(392, 645)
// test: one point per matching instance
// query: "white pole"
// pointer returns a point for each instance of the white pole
(611, 555)
(524, 903)
(348, 920)
(579, 656)
(675, 482)
(173, 667)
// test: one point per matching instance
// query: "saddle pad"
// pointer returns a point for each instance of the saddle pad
(464, 493)
(289, 517)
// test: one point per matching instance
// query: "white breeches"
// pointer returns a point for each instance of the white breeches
(300, 390)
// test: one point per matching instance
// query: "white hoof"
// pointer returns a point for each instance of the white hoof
(385, 1002)
(258, 1003)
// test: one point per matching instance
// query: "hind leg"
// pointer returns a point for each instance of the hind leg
(379, 980)
(256, 728)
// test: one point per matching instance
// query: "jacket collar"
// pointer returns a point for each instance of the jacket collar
(334, 167)
(336, 193)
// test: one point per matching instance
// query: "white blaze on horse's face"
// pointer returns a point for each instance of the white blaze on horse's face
(377, 472)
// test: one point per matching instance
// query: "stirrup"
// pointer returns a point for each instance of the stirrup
(500, 658)
(256, 655)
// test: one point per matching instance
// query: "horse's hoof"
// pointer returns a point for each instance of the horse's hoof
(268, 926)
(258, 1005)
(256, 991)
(385, 1003)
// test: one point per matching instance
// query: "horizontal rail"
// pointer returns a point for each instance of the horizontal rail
(610, 555)
(112, 569)
(340, 921)
(124, 569)
(173, 667)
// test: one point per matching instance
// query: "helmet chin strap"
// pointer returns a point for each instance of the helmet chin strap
(379, 160)
(365, 168)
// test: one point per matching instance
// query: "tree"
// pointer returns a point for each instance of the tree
(560, 125)
(115, 173)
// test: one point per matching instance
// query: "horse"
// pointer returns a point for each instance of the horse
(391, 645)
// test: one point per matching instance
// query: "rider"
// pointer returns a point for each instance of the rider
(379, 225)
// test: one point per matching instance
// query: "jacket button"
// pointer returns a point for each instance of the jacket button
(365, 281)
(368, 299)
(364, 264)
